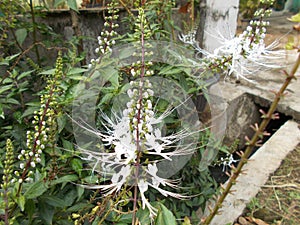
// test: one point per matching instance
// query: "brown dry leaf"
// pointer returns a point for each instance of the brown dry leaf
(257, 221)
(243, 221)
(297, 27)
(185, 8)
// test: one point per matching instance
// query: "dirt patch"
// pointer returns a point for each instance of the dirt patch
(279, 200)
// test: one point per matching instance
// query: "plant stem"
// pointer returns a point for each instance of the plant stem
(34, 33)
(138, 146)
(252, 143)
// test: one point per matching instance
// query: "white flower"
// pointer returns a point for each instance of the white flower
(129, 141)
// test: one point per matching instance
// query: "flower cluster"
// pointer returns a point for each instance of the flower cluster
(133, 139)
(136, 137)
(189, 38)
(7, 181)
(226, 161)
(7, 172)
(244, 54)
(44, 123)
(106, 39)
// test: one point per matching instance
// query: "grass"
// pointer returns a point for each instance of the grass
(278, 203)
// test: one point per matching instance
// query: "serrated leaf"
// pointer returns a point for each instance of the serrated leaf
(21, 35)
(36, 190)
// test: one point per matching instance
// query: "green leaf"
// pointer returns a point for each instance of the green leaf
(30, 208)
(36, 190)
(143, 216)
(76, 165)
(21, 202)
(11, 57)
(2, 112)
(77, 71)
(80, 191)
(61, 122)
(164, 216)
(70, 196)
(96, 221)
(24, 74)
(46, 212)
(12, 101)
(79, 206)
(125, 53)
(21, 34)
(111, 74)
(54, 201)
(126, 219)
(4, 62)
(29, 111)
(186, 221)
(77, 77)
(58, 2)
(106, 98)
(5, 88)
(73, 5)
(295, 18)
(91, 179)
(47, 72)
(67, 144)
(65, 179)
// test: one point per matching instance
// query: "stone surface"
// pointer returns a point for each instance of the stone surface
(264, 162)
(240, 109)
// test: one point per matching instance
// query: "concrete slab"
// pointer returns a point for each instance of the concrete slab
(262, 85)
(264, 162)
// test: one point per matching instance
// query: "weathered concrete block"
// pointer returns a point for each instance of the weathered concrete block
(241, 114)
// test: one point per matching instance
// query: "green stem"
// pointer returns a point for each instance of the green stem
(252, 143)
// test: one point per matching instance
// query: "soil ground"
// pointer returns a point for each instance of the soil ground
(278, 203)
